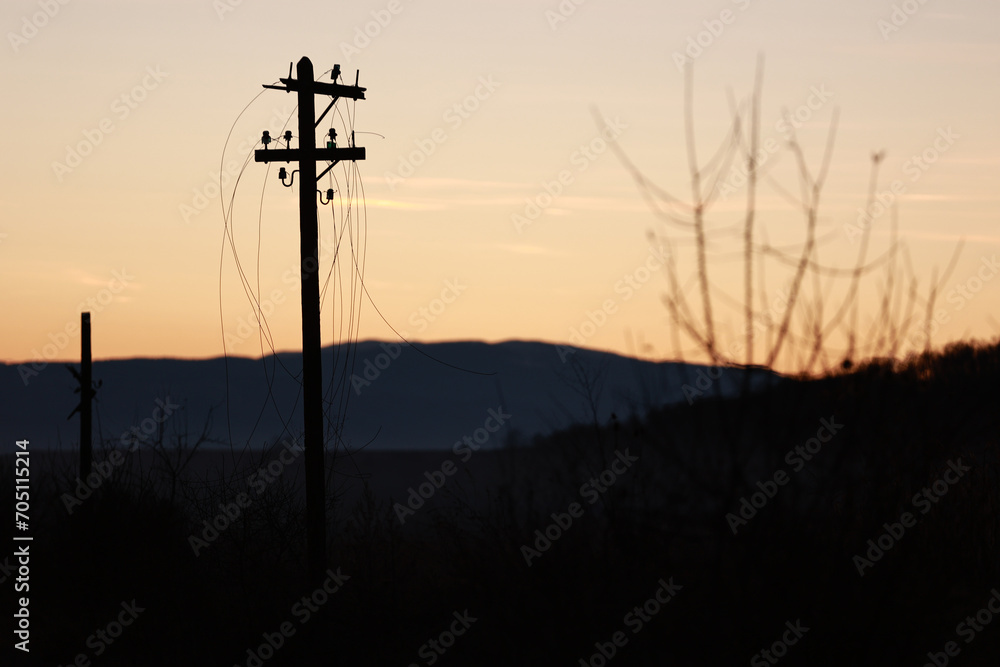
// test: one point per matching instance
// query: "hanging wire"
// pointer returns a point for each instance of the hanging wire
(345, 285)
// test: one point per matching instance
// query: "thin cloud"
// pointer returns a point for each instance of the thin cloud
(83, 278)
(523, 249)
(406, 205)
(939, 236)
(460, 184)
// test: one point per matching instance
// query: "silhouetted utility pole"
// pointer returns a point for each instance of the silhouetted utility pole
(87, 389)
(307, 154)
(86, 394)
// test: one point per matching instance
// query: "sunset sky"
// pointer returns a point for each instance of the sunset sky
(115, 115)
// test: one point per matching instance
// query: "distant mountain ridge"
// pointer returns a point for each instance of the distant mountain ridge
(397, 397)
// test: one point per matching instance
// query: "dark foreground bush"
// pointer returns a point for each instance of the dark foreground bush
(847, 520)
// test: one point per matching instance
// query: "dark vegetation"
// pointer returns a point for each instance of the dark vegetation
(665, 518)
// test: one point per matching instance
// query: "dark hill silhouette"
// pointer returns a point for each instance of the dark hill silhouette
(407, 402)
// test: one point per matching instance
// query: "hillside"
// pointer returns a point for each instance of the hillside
(390, 397)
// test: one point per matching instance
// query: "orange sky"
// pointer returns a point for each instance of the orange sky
(116, 114)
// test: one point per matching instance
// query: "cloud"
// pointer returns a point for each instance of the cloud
(406, 205)
(941, 236)
(453, 184)
(524, 249)
(83, 278)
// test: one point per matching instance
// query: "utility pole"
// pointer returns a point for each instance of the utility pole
(87, 389)
(307, 154)
(86, 394)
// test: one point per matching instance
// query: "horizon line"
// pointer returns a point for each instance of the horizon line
(224, 355)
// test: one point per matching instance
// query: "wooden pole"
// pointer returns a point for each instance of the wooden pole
(307, 154)
(312, 374)
(86, 394)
